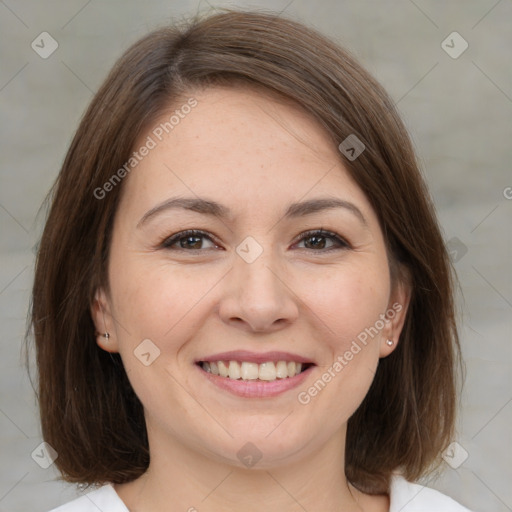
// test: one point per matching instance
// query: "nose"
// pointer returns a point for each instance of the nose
(257, 296)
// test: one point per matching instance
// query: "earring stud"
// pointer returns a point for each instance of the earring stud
(390, 342)
(106, 335)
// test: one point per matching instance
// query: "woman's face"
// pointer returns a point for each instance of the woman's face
(247, 289)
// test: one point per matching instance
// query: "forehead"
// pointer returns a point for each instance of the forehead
(235, 122)
(243, 147)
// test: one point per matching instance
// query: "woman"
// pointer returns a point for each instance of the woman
(242, 297)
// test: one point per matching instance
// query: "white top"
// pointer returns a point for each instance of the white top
(404, 497)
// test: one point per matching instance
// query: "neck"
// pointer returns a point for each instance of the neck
(180, 478)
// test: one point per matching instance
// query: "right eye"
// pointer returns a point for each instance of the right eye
(188, 240)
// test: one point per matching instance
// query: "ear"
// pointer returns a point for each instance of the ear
(395, 315)
(101, 312)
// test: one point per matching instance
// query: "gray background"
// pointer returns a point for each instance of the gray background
(459, 112)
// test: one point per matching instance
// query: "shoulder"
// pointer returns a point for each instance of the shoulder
(103, 498)
(404, 497)
(410, 497)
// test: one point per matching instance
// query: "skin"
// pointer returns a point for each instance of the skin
(256, 155)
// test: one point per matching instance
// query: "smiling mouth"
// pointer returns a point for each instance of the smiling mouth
(244, 370)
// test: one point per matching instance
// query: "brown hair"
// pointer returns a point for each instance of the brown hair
(89, 412)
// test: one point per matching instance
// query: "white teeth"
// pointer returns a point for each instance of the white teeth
(249, 371)
(223, 369)
(268, 371)
(281, 370)
(234, 370)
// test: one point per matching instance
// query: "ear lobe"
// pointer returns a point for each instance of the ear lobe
(396, 315)
(103, 322)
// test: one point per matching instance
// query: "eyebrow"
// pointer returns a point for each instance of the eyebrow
(209, 207)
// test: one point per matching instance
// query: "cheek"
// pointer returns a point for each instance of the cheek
(348, 306)
(347, 301)
(160, 301)
(154, 302)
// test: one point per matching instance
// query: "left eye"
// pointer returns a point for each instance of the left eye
(320, 236)
(193, 240)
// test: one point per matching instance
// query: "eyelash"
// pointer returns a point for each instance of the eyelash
(168, 242)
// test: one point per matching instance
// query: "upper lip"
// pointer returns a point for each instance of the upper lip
(255, 357)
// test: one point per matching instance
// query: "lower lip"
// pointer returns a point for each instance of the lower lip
(256, 388)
